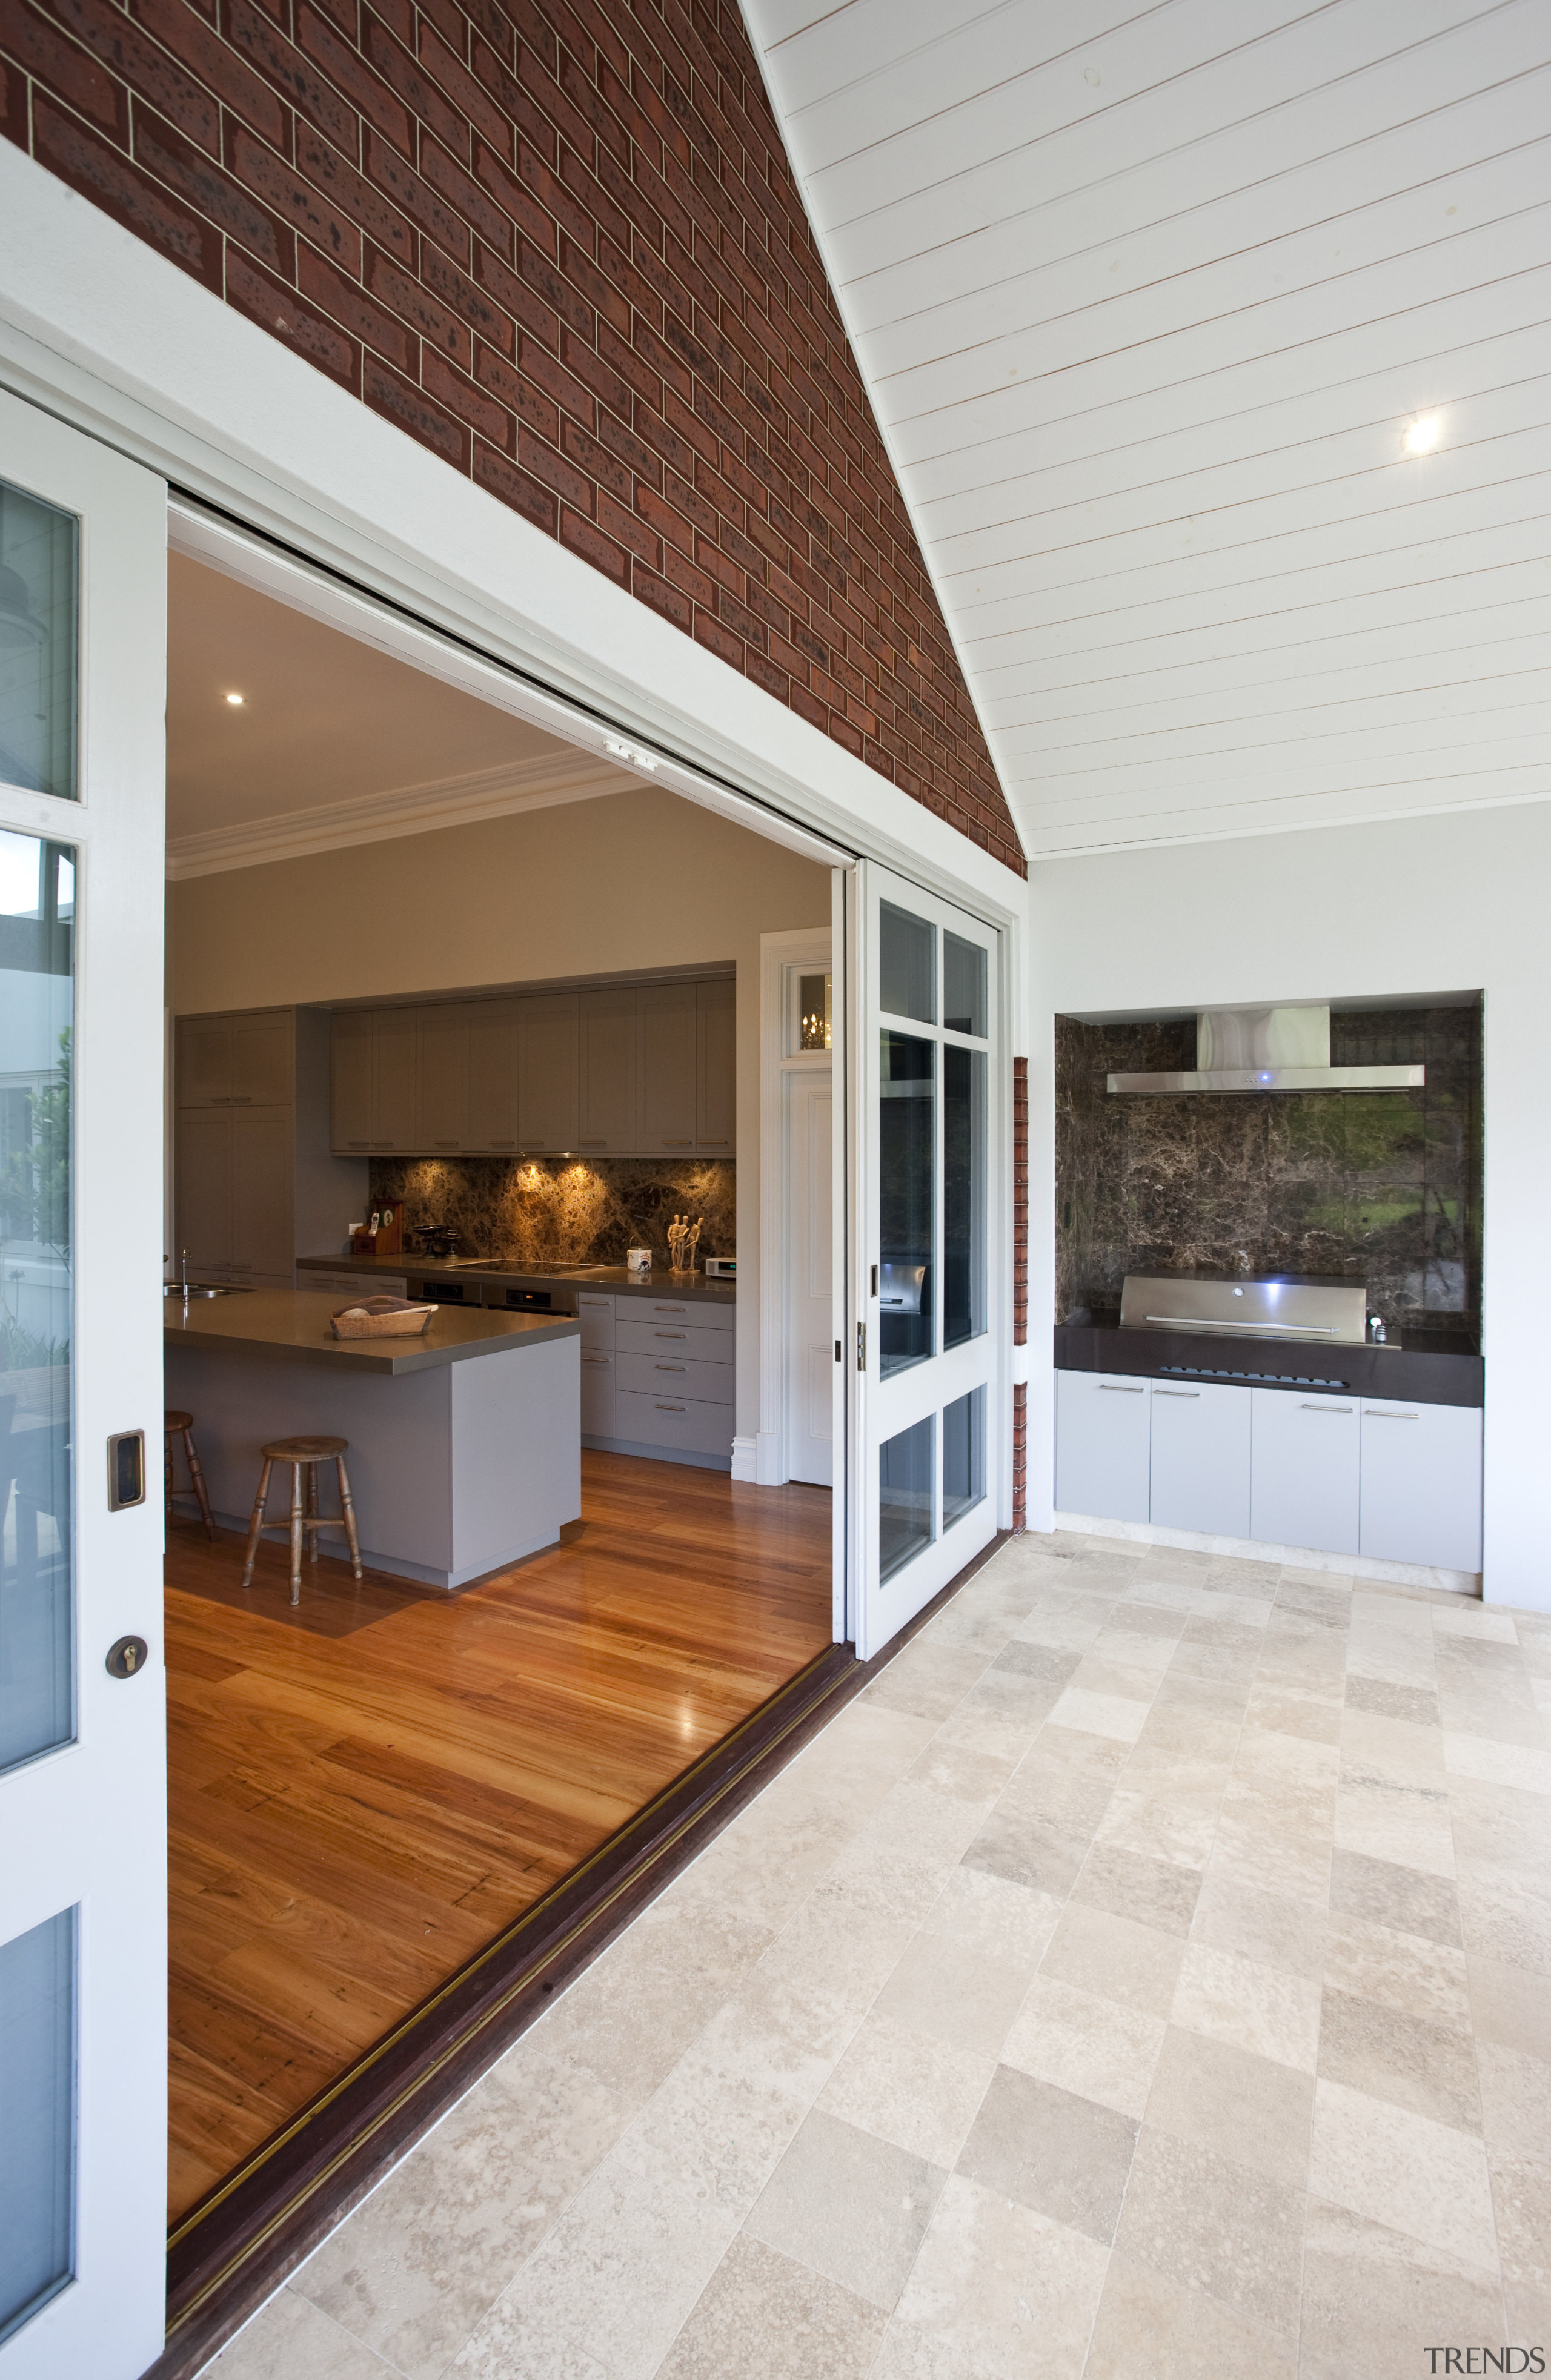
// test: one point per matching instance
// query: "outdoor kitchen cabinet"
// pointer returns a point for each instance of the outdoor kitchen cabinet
(1103, 1458)
(1200, 1457)
(1305, 1468)
(1421, 1492)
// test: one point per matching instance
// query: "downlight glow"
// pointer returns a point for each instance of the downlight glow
(236, 701)
(1424, 435)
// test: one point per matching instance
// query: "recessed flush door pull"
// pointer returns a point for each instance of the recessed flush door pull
(125, 1469)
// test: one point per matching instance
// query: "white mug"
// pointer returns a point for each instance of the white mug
(638, 1261)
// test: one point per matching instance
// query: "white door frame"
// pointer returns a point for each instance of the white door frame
(781, 955)
(84, 1824)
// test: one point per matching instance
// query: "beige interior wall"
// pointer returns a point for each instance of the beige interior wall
(636, 881)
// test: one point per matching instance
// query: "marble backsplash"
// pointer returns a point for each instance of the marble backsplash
(558, 1211)
(1377, 1186)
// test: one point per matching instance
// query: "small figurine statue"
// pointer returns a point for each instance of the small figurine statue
(682, 1241)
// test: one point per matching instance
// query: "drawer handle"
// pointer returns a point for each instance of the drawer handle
(1177, 1393)
(1114, 1388)
(670, 1367)
(685, 1142)
(713, 1140)
(668, 1309)
(670, 1408)
(1310, 1408)
(1372, 1413)
(600, 1362)
(670, 1334)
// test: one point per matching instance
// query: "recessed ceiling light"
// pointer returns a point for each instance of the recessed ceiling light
(1424, 435)
(235, 701)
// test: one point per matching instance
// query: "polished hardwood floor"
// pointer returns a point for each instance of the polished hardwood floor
(363, 1791)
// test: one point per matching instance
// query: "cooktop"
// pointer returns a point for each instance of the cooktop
(510, 1264)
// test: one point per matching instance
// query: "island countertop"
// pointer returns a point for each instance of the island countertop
(292, 1323)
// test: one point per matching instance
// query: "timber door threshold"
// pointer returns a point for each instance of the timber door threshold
(240, 2242)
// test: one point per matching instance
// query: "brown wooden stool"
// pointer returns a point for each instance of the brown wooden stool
(303, 1454)
(181, 1425)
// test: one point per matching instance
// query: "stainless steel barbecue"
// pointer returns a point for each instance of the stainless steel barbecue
(1286, 1305)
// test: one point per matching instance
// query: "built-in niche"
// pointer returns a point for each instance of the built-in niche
(1380, 1186)
(564, 1210)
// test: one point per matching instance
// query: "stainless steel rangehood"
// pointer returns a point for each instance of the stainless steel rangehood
(1268, 1049)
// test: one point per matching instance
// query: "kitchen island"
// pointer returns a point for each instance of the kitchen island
(465, 1443)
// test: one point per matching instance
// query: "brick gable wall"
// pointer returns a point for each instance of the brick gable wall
(561, 246)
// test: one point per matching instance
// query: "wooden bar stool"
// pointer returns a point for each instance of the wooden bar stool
(303, 1454)
(181, 1425)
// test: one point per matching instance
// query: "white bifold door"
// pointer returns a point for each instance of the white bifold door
(932, 1226)
(83, 1705)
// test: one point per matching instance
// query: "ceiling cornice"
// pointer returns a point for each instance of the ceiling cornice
(406, 809)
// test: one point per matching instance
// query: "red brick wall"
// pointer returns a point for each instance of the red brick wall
(1019, 1285)
(561, 246)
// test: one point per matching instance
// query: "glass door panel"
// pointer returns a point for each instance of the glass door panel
(931, 1211)
(82, 1725)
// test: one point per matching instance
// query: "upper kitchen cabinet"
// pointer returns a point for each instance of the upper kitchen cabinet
(608, 1120)
(717, 1066)
(549, 1062)
(242, 1060)
(667, 1066)
(397, 1101)
(354, 1098)
(492, 1061)
(255, 1183)
(443, 1076)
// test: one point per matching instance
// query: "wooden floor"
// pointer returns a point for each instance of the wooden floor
(364, 1790)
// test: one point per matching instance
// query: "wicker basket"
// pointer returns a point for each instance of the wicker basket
(407, 1323)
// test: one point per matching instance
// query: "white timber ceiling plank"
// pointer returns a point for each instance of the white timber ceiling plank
(1150, 302)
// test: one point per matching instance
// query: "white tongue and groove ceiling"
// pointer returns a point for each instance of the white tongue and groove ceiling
(1147, 299)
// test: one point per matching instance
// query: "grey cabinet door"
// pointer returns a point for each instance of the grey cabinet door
(262, 1048)
(667, 1066)
(549, 1045)
(205, 1189)
(204, 1062)
(609, 1039)
(354, 1096)
(396, 1103)
(262, 1231)
(492, 1061)
(717, 1065)
(441, 1078)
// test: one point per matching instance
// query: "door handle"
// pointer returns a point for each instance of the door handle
(1177, 1393)
(1372, 1413)
(1307, 1407)
(1116, 1389)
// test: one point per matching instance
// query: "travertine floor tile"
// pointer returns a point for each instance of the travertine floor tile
(1239, 2105)
(998, 2291)
(763, 2316)
(850, 2205)
(1053, 2150)
(290, 2339)
(1264, 2010)
(1405, 2170)
(911, 2088)
(1375, 2300)
(1092, 2047)
(1214, 2225)
(1152, 2327)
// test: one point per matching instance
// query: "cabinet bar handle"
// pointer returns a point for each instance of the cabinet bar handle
(1376, 1413)
(684, 1143)
(596, 1359)
(1116, 1389)
(670, 1334)
(1177, 1393)
(670, 1367)
(1307, 1407)
(713, 1140)
(669, 1408)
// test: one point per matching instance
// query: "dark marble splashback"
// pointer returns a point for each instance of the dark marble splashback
(1381, 1186)
(553, 1210)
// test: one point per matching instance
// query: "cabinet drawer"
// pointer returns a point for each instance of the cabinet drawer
(597, 1394)
(1200, 1457)
(672, 1375)
(673, 1421)
(1101, 1457)
(676, 1311)
(676, 1340)
(596, 1317)
(353, 1284)
(1304, 1469)
(1420, 1493)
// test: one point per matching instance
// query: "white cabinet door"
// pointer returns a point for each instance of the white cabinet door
(1304, 1470)
(1200, 1457)
(1420, 1499)
(1101, 1457)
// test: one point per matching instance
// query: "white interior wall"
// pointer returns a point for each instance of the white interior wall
(1455, 902)
(632, 881)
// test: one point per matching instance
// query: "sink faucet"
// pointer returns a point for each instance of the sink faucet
(183, 1272)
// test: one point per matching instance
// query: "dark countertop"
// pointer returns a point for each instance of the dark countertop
(611, 1281)
(1425, 1369)
(294, 1322)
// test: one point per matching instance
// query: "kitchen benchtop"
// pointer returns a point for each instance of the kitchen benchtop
(294, 1322)
(1421, 1370)
(610, 1281)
